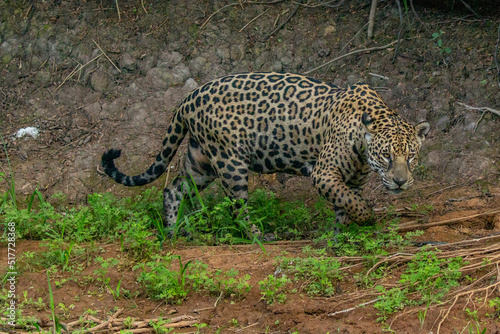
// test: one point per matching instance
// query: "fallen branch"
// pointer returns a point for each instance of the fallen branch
(412, 225)
(494, 111)
(470, 9)
(353, 308)
(255, 18)
(371, 20)
(241, 3)
(114, 324)
(282, 24)
(77, 69)
(496, 56)
(351, 53)
(105, 55)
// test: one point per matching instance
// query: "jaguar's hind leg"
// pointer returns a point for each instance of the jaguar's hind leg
(195, 167)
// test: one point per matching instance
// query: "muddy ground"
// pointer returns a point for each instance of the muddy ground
(90, 77)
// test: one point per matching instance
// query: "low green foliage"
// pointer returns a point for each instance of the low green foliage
(495, 304)
(163, 282)
(218, 282)
(215, 219)
(390, 301)
(367, 241)
(274, 289)
(431, 278)
(437, 37)
(319, 274)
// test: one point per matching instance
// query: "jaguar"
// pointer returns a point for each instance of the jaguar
(283, 122)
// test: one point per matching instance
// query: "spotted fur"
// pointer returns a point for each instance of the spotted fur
(271, 122)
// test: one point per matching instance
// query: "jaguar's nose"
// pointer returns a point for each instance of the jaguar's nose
(399, 182)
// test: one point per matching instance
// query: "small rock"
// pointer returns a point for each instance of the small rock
(127, 63)
(277, 66)
(100, 82)
(180, 73)
(169, 59)
(197, 64)
(352, 79)
(191, 84)
(443, 123)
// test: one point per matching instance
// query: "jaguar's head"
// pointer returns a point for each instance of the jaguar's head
(393, 147)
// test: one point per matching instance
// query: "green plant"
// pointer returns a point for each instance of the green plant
(422, 315)
(389, 301)
(161, 281)
(199, 327)
(437, 37)
(102, 272)
(318, 273)
(423, 209)
(218, 282)
(115, 292)
(11, 192)
(431, 277)
(57, 325)
(159, 326)
(65, 309)
(128, 322)
(273, 289)
(495, 304)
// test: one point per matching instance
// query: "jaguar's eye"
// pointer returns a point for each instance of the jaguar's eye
(386, 155)
(411, 156)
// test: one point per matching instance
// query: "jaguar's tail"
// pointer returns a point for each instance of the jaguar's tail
(175, 133)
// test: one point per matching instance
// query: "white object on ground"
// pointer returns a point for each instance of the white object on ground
(31, 131)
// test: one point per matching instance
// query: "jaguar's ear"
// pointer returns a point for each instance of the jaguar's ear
(422, 130)
(368, 123)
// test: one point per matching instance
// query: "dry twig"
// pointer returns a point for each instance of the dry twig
(413, 225)
(470, 8)
(105, 55)
(496, 56)
(241, 3)
(255, 18)
(494, 111)
(275, 30)
(118, 11)
(353, 308)
(351, 53)
(371, 20)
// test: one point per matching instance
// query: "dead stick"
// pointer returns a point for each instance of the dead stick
(353, 308)
(496, 112)
(371, 21)
(236, 4)
(265, 38)
(255, 18)
(351, 53)
(77, 69)
(444, 222)
(181, 324)
(105, 55)
(118, 10)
